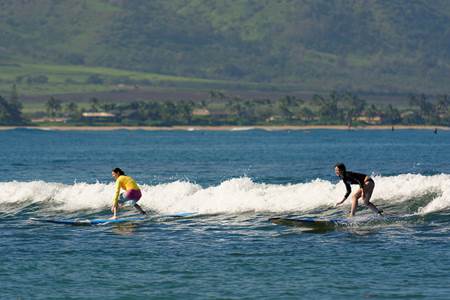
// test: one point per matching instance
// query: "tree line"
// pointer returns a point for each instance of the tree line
(337, 108)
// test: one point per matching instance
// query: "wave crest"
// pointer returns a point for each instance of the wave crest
(418, 193)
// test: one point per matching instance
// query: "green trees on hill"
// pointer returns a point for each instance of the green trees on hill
(317, 45)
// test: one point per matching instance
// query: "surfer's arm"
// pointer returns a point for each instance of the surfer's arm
(116, 194)
(349, 190)
(115, 206)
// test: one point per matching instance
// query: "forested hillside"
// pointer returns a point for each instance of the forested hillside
(319, 45)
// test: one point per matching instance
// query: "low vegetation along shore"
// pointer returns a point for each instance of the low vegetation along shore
(219, 110)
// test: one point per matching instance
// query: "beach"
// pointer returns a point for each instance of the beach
(229, 128)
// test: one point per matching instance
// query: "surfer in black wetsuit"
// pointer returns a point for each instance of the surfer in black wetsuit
(366, 186)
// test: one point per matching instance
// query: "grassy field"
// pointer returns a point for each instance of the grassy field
(71, 79)
(74, 79)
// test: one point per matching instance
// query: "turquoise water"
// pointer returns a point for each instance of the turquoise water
(233, 182)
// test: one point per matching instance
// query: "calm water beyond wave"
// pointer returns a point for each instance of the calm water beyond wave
(233, 182)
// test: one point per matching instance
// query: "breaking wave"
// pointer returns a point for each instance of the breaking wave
(409, 193)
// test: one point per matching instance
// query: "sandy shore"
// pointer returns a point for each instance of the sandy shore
(223, 128)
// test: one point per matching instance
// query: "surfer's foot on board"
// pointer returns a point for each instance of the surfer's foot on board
(139, 208)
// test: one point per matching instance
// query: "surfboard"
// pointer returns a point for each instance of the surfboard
(87, 222)
(180, 215)
(310, 222)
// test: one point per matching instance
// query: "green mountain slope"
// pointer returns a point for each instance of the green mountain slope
(377, 46)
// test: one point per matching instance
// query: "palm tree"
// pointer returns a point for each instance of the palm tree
(169, 111)
(53, 107)
(354, 107)
(443, 105)
(284, 106)
(185, 111)
(10, 112)
(15, 105)
(71, 109)
(95, 104)
(372, 112)
(306, 114)
(391, 115)
(328, 107)
(426, 108)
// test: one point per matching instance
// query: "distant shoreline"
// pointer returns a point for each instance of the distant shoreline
(226, 128)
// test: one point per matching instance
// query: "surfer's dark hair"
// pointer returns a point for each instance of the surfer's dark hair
(118, 171)
(341, 167)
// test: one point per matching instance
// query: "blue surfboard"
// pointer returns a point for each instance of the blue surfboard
(87, 222)
(180, 215)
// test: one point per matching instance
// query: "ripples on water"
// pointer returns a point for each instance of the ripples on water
(234, 182)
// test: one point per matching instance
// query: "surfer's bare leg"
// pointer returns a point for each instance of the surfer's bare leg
(374, 208)
(139, 208)
(368, 190)
(355, 198)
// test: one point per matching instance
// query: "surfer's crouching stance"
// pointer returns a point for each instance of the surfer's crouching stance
(131, 195)
(366, 186)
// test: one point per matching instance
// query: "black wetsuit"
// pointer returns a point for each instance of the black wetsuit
(353, 178)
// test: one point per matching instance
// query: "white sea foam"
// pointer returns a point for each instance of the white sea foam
(231, 196)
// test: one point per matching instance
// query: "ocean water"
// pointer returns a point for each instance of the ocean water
(234, 182)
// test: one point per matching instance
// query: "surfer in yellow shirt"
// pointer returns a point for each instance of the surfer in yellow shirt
(131, 195)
